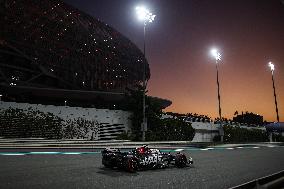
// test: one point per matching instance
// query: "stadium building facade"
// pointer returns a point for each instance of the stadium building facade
(51, 52)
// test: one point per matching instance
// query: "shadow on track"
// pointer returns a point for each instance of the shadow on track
(115, 172)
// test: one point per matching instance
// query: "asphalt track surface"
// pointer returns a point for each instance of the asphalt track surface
(213, 168)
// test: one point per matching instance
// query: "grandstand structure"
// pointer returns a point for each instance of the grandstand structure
(51, 52)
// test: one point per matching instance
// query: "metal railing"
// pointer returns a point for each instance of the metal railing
(273, 181)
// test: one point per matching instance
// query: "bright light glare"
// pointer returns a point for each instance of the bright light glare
(144, 14)
(216, 54)
(271, 66)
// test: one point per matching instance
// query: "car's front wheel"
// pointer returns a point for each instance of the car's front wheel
(180, 160)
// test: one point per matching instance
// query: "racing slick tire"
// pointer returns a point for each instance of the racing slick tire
(180, 160)
(109, 162)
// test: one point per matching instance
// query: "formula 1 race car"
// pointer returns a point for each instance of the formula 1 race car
(143, 158)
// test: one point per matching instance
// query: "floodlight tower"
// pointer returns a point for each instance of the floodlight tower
(272, 68)
(217, 56)
(147, 17)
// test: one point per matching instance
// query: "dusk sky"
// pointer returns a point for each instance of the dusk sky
(248, 33)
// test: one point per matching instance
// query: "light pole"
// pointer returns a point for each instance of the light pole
(217, 56)
(147, 17)
(271, 65)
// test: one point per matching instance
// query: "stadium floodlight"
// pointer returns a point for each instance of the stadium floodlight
(217, 56)
(271, 65)
(146, 16)
(272, 68)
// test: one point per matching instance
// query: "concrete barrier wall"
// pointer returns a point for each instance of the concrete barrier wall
(108, 119)
(204, 131)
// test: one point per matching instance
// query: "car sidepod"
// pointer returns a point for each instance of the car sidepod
(131, 164)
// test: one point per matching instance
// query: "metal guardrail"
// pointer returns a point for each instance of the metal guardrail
(273, 181)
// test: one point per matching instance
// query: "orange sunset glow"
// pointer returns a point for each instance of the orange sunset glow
(248, 34)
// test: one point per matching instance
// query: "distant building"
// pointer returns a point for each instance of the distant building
(275, 127)
(249, 118)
